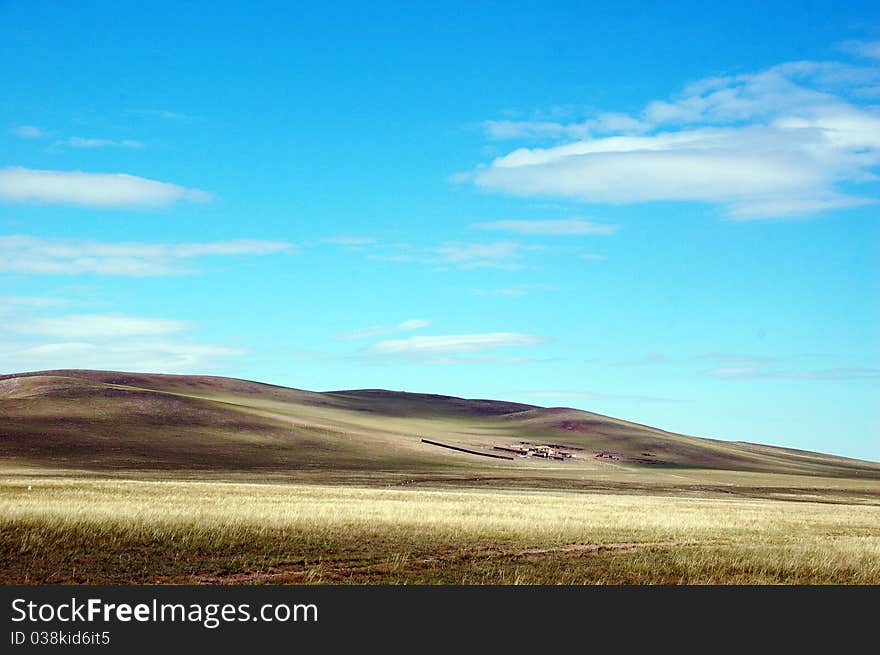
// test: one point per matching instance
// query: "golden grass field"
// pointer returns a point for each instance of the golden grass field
(102, 531)
(174, 479)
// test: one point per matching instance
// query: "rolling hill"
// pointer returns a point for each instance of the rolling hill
(128, 423)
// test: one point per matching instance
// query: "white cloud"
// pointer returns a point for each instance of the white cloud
(456, 254)
(594, 395)
(91, 189)
(506, 129)
(231, 247)
(460, 255)
(160, 113)
(27, 254)
(500, 254)
(154, 356)
(778, 142)
(7, 302)
(869, 49)
(651, 359)
(506, 291)
(28, 132)
(533, 130)
(412, 324)
(593, 257)
(750, 372)
(80, 142)
(453, 360)
(461, 177)
(397, 258)
(89, 326)
(514, 290)
(735, 358)
(734, 371)
(349, 240)
(454, 344)
(104, 341)
(565, 227)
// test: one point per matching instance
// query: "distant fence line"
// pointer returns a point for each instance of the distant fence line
(465, 450)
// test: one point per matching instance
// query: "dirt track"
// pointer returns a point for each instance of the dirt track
(303, 572)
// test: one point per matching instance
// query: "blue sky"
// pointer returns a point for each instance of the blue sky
(664, 214)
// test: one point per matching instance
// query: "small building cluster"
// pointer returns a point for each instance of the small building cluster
(545, 451)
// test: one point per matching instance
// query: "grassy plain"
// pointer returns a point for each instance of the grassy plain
(101, 531)
(174, 479)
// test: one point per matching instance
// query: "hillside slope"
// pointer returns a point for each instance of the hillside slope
(108, 421)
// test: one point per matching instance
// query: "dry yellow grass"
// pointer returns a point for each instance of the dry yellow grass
(73, 530)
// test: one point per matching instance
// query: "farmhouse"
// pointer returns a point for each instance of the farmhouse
(544, 451)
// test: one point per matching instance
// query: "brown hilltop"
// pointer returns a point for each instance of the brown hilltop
(106, 421)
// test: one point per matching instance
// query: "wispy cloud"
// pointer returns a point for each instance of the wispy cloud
(103, 190)
(735, 358)
(454, 344)
(778, 142)
(530, 130)
(651, 359)
(412, 324)
(89, 326)
(868, 49)
(81, 142)
(594, 257)
(503, 130)
(108, 341)
(160, 113)
(499, 254)
(458, 360)
(514, 290)
(28, 132)
(763, 373)
(151, 355)
(462, 255)
(350, 240)
(9, 302)
(595, 395)
(35, 255)
(14, 308)
(567, 227)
